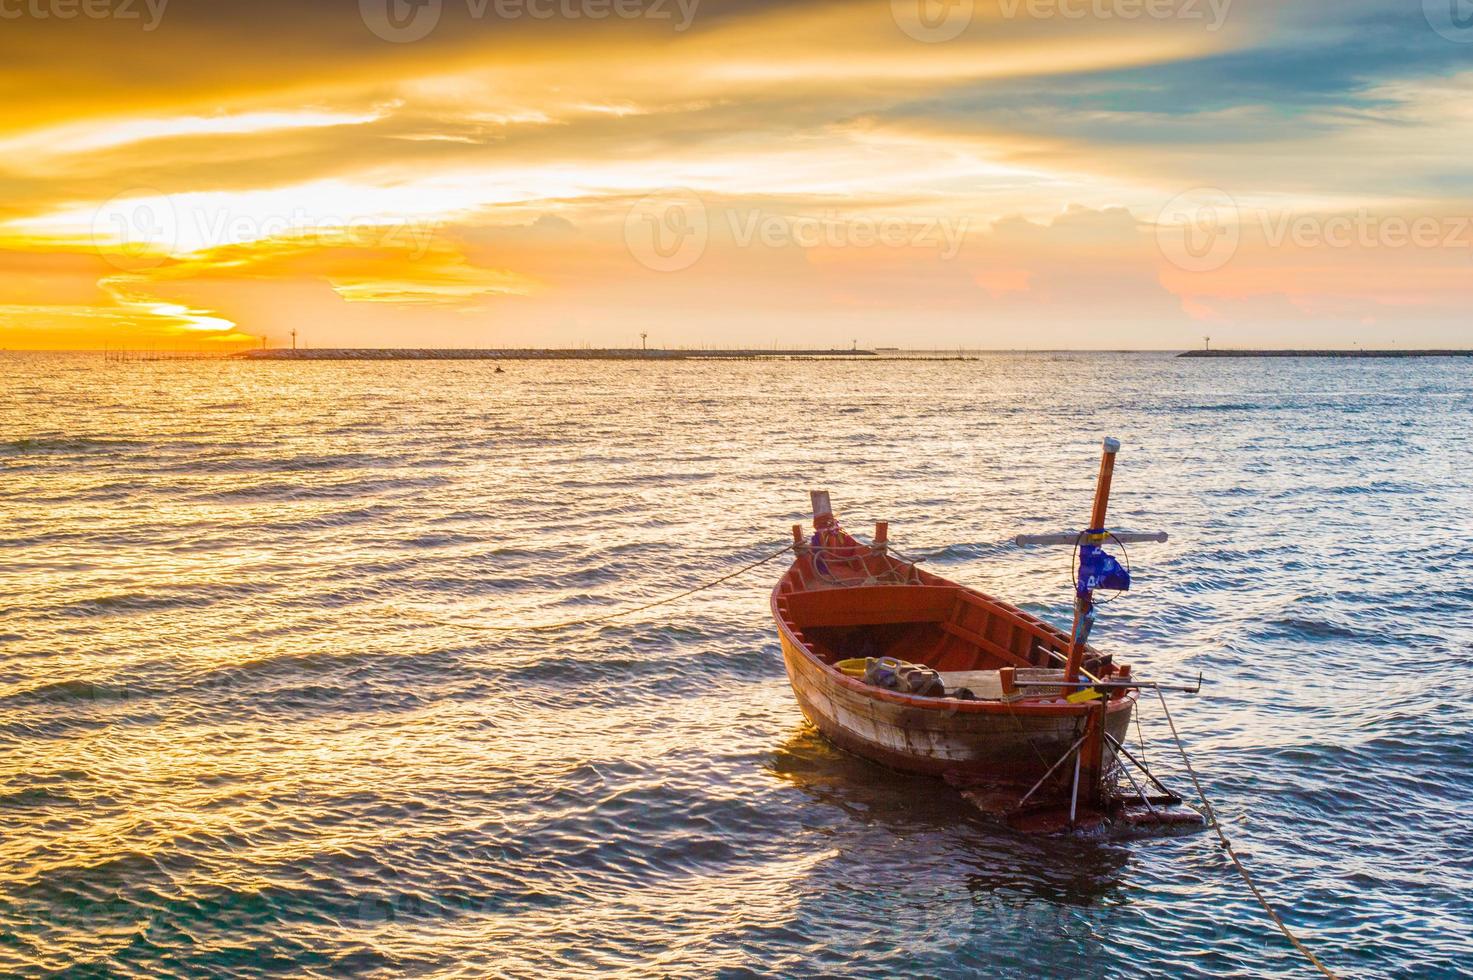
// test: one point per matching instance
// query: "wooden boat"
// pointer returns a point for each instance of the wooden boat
(1022, 697)
(843, 600)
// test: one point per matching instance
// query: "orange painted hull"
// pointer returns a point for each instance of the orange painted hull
(1011, 744)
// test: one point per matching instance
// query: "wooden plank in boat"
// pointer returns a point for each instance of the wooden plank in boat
(987, 684)
(870, 606)
(978, 640)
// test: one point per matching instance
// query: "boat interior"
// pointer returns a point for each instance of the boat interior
(847, 601)
(945, 627)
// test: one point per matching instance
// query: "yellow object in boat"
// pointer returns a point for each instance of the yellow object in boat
(852, 668)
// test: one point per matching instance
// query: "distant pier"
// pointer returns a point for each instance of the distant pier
(1327, 353)
(540, 354)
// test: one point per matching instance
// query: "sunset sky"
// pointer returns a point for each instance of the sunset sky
(1009, 173)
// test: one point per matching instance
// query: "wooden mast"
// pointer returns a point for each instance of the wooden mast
(1092, 694)
(1090, 763)
(1094, 534)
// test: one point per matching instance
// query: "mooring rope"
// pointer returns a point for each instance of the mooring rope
(1228, 846)
(566, 624)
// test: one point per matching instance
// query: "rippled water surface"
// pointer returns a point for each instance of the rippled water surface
(244, 729)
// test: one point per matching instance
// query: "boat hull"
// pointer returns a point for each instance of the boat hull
(994, 742)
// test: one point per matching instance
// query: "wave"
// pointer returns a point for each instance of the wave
(67, 445)
(280, 492)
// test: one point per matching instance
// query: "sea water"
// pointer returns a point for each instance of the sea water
(246, 726)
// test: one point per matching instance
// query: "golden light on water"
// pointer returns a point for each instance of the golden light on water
(251, 709)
